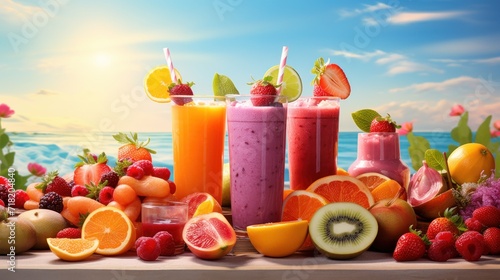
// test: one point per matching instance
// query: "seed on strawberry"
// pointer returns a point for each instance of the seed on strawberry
(488, 216)
(410, 246)
(470, 245)
(69, 232)
(492, 240)
(181, 89)
(263, 92)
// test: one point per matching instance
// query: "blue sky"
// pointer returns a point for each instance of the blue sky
(79, 65)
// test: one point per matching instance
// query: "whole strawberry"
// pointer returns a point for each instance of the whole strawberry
(450, 222)
(51, 182)
(470, 245)
(181, 89)
(69, 232)
(410, 246)
(262, 90)
(488, 216)
(20, 198)
(492, 240)
(381, 124)
(131, 150)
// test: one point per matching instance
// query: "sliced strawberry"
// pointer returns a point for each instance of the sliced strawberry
(89, 170)
(331, 79)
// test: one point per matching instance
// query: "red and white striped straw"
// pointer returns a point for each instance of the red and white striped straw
(284, 54)
(170, 65)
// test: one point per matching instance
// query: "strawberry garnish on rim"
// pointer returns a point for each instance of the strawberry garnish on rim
(90, 169)
(331, 79)
(263, 91)
(179, 88)
(381, 124)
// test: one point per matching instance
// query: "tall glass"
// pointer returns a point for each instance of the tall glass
(379, 152)
(198, 133)
(313, 133)
(257, 141)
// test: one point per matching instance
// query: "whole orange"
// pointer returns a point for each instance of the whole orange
(467, 162)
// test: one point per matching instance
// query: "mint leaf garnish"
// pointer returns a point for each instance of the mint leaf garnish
(435, 159)
(363, 118)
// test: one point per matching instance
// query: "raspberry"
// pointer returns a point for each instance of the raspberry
(470, 245)
(51, 201)
(440, 251)
(492, 240)
(4, 190)
(2, 203)
(79, 190)
(21, 197)
(166, 243)
(448, 237)
(473, 224)
(488, 215)
(135, 171)
(106, 195)
(146, 165)
(161, 172)
(112, 178)
(147, 248)
(69, 232)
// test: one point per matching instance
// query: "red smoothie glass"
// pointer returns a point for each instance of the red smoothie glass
(313, 132)
(379, 152)
(168, 216)
(257, 141)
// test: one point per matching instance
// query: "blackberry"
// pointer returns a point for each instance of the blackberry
(52, 201)
(112, 178)
(4, 194)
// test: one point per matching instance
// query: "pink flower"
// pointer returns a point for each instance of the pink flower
(405, 128)
(457, 110)
(495, 133)
(5, 111)
(496, 125)
(36, 169)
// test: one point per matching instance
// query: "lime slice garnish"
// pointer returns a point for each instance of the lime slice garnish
(222, 85)
(156, 84)
(291, 86)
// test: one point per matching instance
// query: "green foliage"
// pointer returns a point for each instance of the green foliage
(461, 134)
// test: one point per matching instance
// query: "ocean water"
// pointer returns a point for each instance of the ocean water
(60, 151)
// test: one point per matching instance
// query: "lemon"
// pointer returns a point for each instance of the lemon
(222, 85)
(269, 239)
(291, 86)
(156, 84)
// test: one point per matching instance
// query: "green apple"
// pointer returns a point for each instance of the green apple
(226, 186)
(47, 224)
(16, 236)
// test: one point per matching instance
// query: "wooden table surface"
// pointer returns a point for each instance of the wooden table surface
(370, 265)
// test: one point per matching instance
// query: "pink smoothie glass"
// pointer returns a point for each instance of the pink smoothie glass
(379, 152)
(257, 141)
(313, 132)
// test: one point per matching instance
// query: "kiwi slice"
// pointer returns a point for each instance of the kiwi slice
(342, 230)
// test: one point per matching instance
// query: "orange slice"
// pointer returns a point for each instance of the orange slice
(269, 239)
(286, 192)
(200, 203)
(156, 84)
(342, 171)
(301, 205)
(340, 188)
(388, 189)
(372, 179)
(72, 249)
(112, 228)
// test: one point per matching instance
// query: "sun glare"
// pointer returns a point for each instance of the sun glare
(102, 60)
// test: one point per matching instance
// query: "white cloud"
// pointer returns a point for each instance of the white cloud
(465, 46)
(411, 17)
(14, 12)
(395, 63)
(460, 62)
(366, 9)
(462, 82)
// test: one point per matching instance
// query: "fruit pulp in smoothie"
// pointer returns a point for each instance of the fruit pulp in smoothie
(257, 140)
(379, 152)
(313, 129)
(198, 132)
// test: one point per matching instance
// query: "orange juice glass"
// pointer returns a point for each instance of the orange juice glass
(198, 134)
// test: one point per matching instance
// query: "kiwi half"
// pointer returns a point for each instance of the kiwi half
(342, 230)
